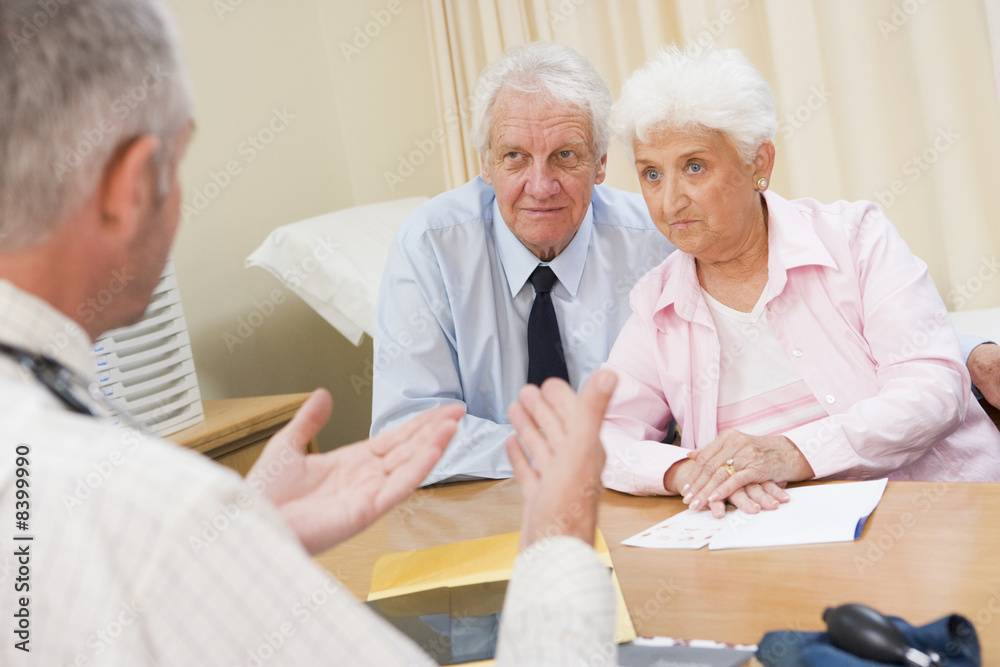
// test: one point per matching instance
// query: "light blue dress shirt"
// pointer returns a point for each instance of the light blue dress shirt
(452, 314)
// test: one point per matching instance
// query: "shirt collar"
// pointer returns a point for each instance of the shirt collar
(792, 243)
(518, 262)
(34, 325)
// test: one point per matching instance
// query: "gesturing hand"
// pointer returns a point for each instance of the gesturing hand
(329, 497)
(561, 484)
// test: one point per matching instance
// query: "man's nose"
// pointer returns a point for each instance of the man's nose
(543, 181)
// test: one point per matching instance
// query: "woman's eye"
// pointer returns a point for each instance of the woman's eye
(652, 175)
(695, 168)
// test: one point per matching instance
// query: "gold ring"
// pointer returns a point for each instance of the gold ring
(730, 468)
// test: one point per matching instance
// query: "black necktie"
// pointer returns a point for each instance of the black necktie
(545, 351)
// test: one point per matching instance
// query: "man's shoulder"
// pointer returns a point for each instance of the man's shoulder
(471, 203)
(89, 457)
(621, 209)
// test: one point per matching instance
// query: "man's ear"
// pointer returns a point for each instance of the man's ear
(602, 170)
(484, 171)
(128, 187)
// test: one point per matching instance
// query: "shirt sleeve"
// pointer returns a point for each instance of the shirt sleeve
(228, 583)
(637, 419)
(560, 607)
(416, 365)
(924, 387)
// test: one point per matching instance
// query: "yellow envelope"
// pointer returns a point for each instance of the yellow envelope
(471, 562)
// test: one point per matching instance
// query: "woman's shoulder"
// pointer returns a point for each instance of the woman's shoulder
(842, 217)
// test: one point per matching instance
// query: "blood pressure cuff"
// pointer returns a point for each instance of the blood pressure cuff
(953, 637)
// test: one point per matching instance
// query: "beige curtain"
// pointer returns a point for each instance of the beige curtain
(894, 101)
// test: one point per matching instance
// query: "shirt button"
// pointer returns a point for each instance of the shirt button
(830, 398)
(796, 353)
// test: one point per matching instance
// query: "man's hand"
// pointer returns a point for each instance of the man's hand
(984, 367)
(561, 483)
(329, 497)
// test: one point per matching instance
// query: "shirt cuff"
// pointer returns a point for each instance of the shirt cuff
(560, 607)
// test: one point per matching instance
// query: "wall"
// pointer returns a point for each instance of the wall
(282, 90)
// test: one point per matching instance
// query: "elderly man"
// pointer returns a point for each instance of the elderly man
(457, 299)
(461, 300)
(138, 569)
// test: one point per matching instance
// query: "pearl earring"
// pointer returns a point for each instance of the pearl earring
(761, 184)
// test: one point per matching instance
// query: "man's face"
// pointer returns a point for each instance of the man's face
(542, 166)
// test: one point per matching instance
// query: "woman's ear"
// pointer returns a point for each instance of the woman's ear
(129, 187)
(763, 161)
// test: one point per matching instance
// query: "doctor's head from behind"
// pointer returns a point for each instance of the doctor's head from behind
(96, 115)
(540, 124)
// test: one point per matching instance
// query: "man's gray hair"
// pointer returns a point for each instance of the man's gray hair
(553, 70)
(78, 80)
(717, 89)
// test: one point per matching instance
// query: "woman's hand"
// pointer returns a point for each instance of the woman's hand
(751, 499)
(761, 464)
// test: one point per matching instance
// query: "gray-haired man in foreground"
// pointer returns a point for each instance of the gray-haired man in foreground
(112, 563)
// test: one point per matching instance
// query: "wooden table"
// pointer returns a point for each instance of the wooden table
(235, 430)
(927, 551)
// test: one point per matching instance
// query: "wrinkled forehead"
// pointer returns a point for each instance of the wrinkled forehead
(524, 115)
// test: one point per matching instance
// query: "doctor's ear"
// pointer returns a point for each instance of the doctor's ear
(129, 185)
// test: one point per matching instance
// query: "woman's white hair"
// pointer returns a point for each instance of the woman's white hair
(549, 69)
(77, 81)
(716, 89)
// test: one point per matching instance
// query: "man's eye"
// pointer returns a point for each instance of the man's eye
(513, 155)
(565, 154)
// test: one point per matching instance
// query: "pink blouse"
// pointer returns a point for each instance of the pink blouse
(861, 321)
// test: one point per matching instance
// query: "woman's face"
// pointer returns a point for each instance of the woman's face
(701, 194)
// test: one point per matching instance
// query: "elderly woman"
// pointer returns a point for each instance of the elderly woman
(789, 340)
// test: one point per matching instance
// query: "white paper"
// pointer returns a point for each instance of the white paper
(685, 530)
(814, 515)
